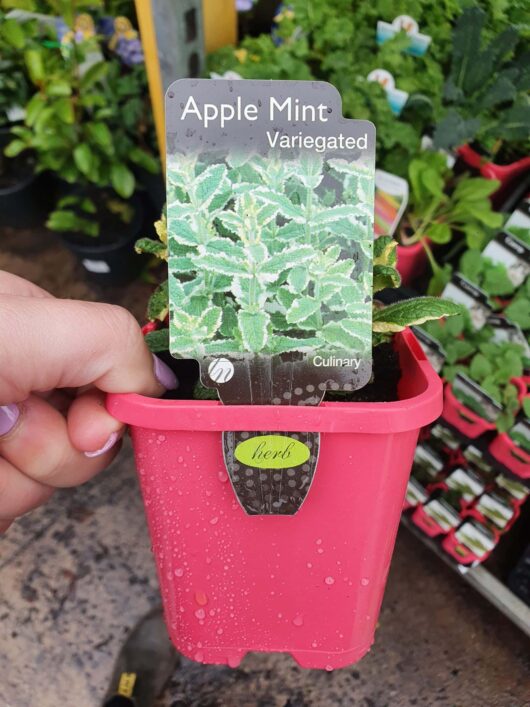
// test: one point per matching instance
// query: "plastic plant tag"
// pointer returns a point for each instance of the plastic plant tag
(474, 397)
(462, 291)
(391, 199)
(513, 253)
(431, 347)
(518, 224)
(419, 43)
(466, 483)
(476, 537)
(270, 197)
(396, 98)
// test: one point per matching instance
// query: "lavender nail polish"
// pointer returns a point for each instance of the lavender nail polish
(105, 448)
(164, 374)
(9, 415)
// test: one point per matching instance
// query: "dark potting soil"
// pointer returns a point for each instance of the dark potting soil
(382, 387)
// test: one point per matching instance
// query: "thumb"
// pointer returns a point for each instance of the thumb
(52, 343)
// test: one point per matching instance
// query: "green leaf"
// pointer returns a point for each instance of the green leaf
(301, 309)
(475, 188)
(83, 158)
(518, 312)
(439, 233)
(13, 33)
(413, 312)
(94, 74)
(298, 279)
(158, 340)
(385, 251)
(64, 110)
(14, 148)
(151, 247)
(34, 108)
(480, 367)
(122, 179)
(100, 134)
(340, 337)
(208, 184)
(385, 276)
(35, 65)
(157, 307)
(253, 329)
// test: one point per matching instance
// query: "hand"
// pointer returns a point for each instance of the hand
(58, 358)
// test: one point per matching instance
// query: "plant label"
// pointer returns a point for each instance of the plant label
(476, 537)
(431, 347)
(419, 43)
(475, 300)
(475, 398)
(270, 211)
(468, 484)
(513, 253)
(391, 199)
(396, 98)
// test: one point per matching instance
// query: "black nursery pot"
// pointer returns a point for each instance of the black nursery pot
(24, 198)
(110, 259)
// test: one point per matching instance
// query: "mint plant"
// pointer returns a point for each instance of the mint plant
(491, 277)
(262, 256)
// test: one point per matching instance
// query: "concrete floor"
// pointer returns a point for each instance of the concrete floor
(76, 574)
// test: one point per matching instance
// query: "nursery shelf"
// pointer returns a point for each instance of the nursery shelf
(483, 581)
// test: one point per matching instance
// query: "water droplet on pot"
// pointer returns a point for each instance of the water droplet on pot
(201, 598)
(179, 572)
(329, 581)
(298, 620)
(222, 477)
(365, 581)
(199, 656)
(200, 614)
(214, 520)
(233, 661)
(219, 631)
(329, 668)
(309, 565)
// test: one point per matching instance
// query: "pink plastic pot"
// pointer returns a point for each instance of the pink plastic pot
(504, 449)
(309, 584)
(504, 173)
(462, 554)
(411, 262)
(465, 420)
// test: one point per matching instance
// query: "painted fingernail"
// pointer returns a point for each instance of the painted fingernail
(105, 448)
(9, 415)
(164, 374)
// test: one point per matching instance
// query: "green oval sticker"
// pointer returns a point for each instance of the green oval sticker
(272, 452)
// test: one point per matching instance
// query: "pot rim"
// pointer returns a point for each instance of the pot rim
(407, 414)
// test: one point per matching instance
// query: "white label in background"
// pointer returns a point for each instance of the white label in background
(496, 511)
(509, 251)
(466, 483)
(444, 435)
(444, 514)
(474, 456)
(416, 494)
(96, 266)
(476, 538)
(514, 488)
(427, 458)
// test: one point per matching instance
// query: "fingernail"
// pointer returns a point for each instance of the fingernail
(164, 374)
(9, 415)
(105, 448)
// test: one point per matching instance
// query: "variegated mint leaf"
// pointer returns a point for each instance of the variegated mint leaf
(301, 309)
(412, 312)
(253, 327)
(298, 279)
(207, 185)
(211, 321)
